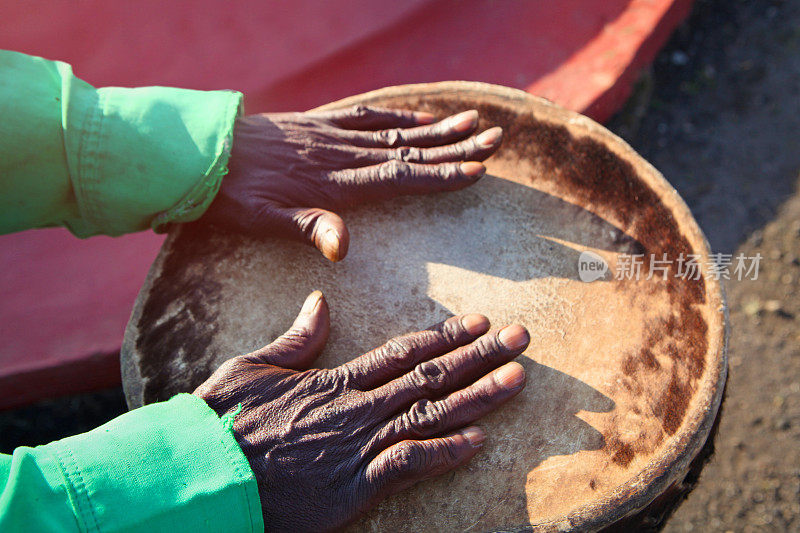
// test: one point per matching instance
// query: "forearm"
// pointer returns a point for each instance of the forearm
(173, 466)
(109, 160)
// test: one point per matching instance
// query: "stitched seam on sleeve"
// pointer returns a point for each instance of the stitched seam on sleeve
(234, 456)
(73, 474)
(87, 162)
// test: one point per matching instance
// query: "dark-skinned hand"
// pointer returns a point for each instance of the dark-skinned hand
(288, 171)
(327, 444)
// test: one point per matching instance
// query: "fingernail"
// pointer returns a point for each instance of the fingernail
(472, 168)
(311, 302)
(510, 375)
(489, 137)
(474, 435)
(513, 337)
(330, 245)
(475, 324)
(423, 117)
(464, 121)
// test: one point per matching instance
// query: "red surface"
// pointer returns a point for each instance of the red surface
(64, 303)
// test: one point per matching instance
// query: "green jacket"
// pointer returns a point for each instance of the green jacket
(112, 161)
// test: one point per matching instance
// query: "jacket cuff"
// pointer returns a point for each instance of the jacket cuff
(171, 466)
(145, 157)
(197, 200)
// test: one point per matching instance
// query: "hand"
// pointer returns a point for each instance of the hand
(288, 170)
(326, 445)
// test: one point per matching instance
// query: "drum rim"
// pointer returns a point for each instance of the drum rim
(662, 471)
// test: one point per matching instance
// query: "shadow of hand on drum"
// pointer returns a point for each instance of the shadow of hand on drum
(552, 406)
(537, 431)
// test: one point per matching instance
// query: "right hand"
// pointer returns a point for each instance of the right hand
(327, 444)
(291, 172)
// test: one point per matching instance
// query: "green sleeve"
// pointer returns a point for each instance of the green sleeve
(173, 466)
(112, 161)
(109, 160)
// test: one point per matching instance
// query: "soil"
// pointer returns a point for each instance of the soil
(718, 114)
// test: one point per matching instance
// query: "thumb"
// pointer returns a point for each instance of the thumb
(322, 229)
(299, 347)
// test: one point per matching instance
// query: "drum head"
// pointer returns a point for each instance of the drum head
(625, 375)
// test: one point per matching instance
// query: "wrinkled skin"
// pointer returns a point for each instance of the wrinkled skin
(288, 171)
(327, 444)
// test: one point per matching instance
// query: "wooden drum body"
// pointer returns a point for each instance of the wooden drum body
(625, 376)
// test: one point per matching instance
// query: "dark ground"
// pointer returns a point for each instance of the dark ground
(719, 115)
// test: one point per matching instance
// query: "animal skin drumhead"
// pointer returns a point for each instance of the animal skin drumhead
(625, 371)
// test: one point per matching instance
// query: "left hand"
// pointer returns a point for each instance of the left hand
(288, 170)
(327, 444)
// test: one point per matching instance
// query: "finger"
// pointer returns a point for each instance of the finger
(475, 148)
(426, 418)
(445, 131)
(320, 228)
(401, 354)
(373, 118)
(395, 178)
(408, 462)
(303, 342)
(435, 377)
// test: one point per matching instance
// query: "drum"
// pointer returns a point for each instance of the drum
(570, 233)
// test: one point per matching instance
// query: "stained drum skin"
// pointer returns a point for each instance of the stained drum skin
(625, 376)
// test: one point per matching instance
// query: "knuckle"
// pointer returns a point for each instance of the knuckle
(450, 330)
(409, 456)
(424, 417)
(447, 171)
(451, 170)
(450, 455)
(481, 354)
(395, 170)
(440, 129)
(306, 221)
(399, 352)
(408, 154)
(232, 366)
(458, 151)
(296, 337)
(347, 377)
(474, 147)
(324, 379)
(464, 150)
(388, 138)
(488, 347)
(360, 111)
(429, 376)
